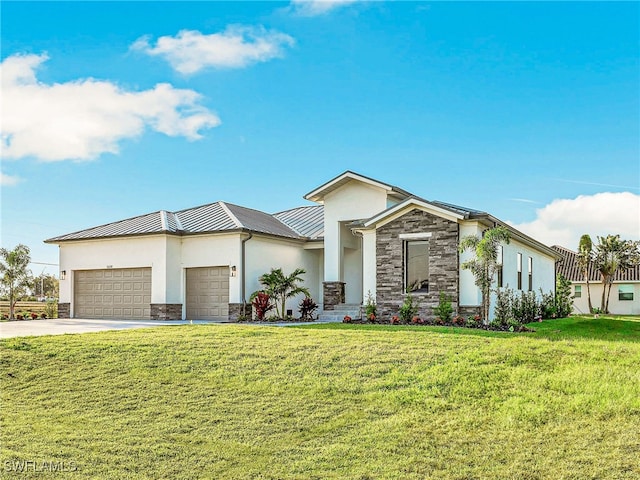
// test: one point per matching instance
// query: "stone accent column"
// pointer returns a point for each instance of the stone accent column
(64, 310)
(237, 310)
(166, 311)
(332, 294)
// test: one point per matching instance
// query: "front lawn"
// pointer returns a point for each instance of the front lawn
(341, 401)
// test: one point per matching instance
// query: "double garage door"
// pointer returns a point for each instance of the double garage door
(120, 293)
(125, 293)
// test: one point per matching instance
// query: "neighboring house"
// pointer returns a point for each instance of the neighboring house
(364, 236)
(624, 298)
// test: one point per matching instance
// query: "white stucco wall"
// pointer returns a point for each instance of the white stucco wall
(264, 253)
(369, 269)
(470, 294)
(352, 201)
(616, 306)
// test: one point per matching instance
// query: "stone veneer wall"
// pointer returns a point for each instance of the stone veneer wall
(469, 311)
(443, 263)
(64, 310)
(166, 311)
(332, 294)
(236, 310)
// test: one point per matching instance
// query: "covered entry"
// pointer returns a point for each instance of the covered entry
(208, 293)
(118, 293)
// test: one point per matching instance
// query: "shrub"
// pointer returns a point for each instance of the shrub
(346, 319)
(371, 317)
(33, 315)
(51, 309)
(261, 302)
(370, 306)
(417, 321)
(395, 320)
(408, 310)
(444, 309)
(307, 308)
(458, 320)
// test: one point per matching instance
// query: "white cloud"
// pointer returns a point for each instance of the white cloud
(238, 46)
(8, 180)
(84, 118)
(310, 8)
(564, 221)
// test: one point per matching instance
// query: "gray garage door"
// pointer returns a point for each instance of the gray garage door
(208, 293)
(120, 293)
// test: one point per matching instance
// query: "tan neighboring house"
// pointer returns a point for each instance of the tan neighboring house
(625, 291)
(361, 237)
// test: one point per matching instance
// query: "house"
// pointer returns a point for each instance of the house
(362, 237)
(624, 298)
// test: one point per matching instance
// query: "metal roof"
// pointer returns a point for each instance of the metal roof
(214, 217)
(569, 269)
(306, 221)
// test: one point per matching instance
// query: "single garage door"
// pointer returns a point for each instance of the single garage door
(119, 293)
(208, 293)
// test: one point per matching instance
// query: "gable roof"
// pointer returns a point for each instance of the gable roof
(569, 269)
(319, 193)
(211, 218)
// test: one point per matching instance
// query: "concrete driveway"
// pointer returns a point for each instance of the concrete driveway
(60, 326)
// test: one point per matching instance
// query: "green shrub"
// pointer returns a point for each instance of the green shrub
(408, 310)
(444, 311)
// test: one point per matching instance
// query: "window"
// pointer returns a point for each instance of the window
(499, 269)
(530, 266)
(625, 292)
(519, 271)
(577, 291)
(417, 266)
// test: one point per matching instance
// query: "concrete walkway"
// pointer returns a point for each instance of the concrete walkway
(60, 326)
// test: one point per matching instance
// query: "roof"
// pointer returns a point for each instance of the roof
(319, 193)
(568, 268)
(211, 218)
(306, 221)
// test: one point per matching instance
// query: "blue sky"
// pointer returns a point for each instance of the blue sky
(530, 111)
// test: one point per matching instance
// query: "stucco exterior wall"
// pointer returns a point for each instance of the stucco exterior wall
(353, 201)
(264, 253)
(616, 306)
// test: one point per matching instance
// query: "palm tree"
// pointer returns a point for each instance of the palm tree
(585, 254)
(14, 275)
(281, 287)
(485, 263)
(613, 254)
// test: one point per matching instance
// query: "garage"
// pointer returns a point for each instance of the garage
(208, 293)
(115, 293)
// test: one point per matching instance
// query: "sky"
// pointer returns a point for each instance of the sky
(529, 111)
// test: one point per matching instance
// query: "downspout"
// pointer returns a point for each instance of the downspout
(243, 273)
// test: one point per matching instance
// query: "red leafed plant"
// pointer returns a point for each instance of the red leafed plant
(395, 320)
(372, 317)
(346, 319)
(34, 315)
(417, 320)
(262, 304)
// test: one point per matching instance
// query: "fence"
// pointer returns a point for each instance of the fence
(27, 307)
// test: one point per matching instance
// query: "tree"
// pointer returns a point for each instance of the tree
(485, 264)
(14, 275)
(45, 286)
(281, 287)
(585, 257)
(612, 255)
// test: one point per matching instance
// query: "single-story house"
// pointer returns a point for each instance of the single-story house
(624, 298)
(362, 237)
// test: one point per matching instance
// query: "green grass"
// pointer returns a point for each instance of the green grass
(336, 401)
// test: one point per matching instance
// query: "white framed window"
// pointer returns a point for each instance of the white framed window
(530, 269)
(499, 269)
(416, 272)
(625, 292)
(519, 264)
(577, 291)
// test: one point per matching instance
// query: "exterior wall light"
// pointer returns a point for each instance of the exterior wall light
(233, 271)
(63, 274)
